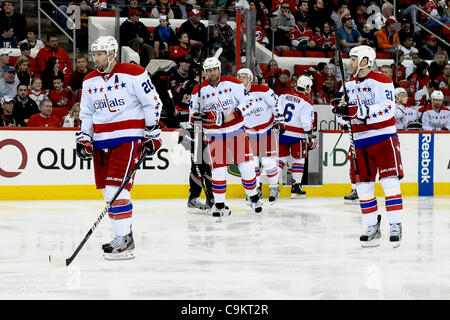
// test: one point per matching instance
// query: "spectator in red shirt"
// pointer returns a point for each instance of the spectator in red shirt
(398, 69)
(444, 78)
(419, 78)
(25, 49)
(81, 70)
(45, 117)
(302, 37)
(281, 84)
(63, 98)
(270, 74)
(53, 50)
(327, 92)
(176, 52)
(326, 40)
(320, 75)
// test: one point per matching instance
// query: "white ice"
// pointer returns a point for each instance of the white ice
(298, 249)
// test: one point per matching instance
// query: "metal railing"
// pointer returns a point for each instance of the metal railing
(72, 38)
(415, 23)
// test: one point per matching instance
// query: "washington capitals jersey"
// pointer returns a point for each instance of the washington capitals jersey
(376, 92)
(117, 109)
(404, 115)
(433, 120)
(260, 119)
(298, 114)
(227, 96)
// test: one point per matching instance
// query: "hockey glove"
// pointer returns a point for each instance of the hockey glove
(351, 111)
(84, 145)
(280, 126)
(312, 142)
(279, 118)
(152, 141)
(338, 99)
(212, 118)
(196, 117)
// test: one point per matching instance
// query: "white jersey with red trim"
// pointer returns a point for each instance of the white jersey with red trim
(404, 115)
(433, 120)
(117, 109)
(227, 96)
(298, 114)
(376, 92)
(260, 119)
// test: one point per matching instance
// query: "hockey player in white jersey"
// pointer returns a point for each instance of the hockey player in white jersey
(403, 114)
(119, 116)
(438, 118)
(298, 137)
(259, 125)
(370, 110)
(221, 104)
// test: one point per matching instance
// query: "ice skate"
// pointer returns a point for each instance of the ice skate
(120, 248)
(259, 190)
(255, 203)
(352, 198)
(395, 234)
(297, 191)
(219, 213)
(371, 238)
(196, 204)
(274, 194)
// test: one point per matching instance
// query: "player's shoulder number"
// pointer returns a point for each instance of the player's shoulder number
(147, 85)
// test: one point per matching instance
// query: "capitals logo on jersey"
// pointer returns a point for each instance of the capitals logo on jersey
(113, 104)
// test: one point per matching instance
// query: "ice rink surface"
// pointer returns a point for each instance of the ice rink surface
(298, 249)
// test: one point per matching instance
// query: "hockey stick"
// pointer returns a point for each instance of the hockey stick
(198, 132)
(198, 139)
(341, 67)
(339, 139)
(63, 262)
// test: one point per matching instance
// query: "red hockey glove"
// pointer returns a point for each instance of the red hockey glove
(152, 141)
(84, 145)
(312, 142)
(212, 118)
(196, 117)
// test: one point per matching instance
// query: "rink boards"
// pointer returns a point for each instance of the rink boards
(42, 164)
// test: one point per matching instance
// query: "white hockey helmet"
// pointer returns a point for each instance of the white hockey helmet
(303, 82)
(362, 52)
(437, 94)
(211, 63)
(108, 44)
(399, 91)
(248, 72)
(105, 43)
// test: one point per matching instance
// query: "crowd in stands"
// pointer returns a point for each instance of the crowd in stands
(299, 28)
